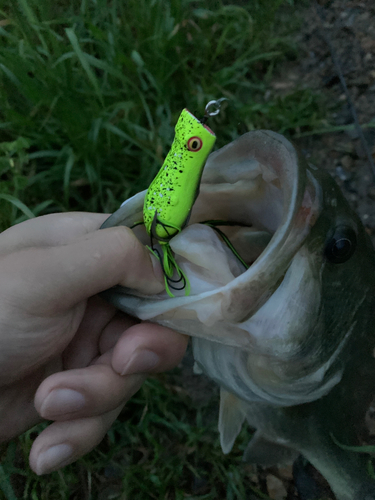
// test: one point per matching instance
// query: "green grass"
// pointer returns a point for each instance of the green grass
(154, 451)
(90, 91)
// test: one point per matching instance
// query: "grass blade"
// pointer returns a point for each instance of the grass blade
(355, 449)
(42, 206)
(18, 203)
(27, 10)
(117, 131)
(68, 169)
(83, 60)
(10, 75)
(5, 486)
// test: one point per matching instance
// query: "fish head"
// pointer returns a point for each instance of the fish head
(281, 331)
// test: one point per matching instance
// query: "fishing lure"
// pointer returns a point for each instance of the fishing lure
(171, 195)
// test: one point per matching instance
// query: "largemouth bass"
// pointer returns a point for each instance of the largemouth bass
(289, 340)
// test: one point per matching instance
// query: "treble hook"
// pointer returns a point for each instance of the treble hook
(212, 108)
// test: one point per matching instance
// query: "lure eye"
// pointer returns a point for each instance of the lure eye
(341, 245)
(194, 143)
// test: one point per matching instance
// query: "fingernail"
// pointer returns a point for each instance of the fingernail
(141, 361)
(53, 458)
(62, 401)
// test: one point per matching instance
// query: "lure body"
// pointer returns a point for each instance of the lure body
(172, 193)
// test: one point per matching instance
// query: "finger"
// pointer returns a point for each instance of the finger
(148, 348)
(98, 332)
(71, 273)
(64, 442)
(17, 410)
(85, 345)
(84, 392)
(17, 400)
(98, 388)
(49, 230)
(114, 330)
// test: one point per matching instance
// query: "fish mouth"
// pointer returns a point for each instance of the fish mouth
(256, 331)
(260, 185)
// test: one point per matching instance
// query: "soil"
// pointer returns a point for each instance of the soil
(349, 26)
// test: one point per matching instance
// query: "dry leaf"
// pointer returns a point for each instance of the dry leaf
(276, 488)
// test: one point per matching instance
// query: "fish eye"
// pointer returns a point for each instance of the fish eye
(341, 245)
(194, 143)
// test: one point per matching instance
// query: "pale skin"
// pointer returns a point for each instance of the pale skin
(65, 354)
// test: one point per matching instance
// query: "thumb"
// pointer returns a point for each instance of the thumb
(57, 278)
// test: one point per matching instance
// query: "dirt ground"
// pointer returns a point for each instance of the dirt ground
(349, 25)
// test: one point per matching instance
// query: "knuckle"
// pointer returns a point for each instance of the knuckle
(125, 240)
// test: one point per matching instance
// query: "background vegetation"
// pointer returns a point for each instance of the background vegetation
(90, 91)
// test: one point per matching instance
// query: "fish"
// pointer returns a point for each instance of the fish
(289, 336)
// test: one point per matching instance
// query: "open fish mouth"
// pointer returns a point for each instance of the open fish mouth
(266, 203)
(259, 187)
(257, 183)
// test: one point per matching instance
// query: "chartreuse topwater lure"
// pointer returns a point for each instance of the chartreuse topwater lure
(172, 193)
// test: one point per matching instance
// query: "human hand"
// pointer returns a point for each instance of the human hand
(65, 354)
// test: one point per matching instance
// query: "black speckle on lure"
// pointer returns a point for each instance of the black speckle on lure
(171, 195)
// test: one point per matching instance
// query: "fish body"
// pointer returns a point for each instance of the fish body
(172, 193)
(290, 340)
